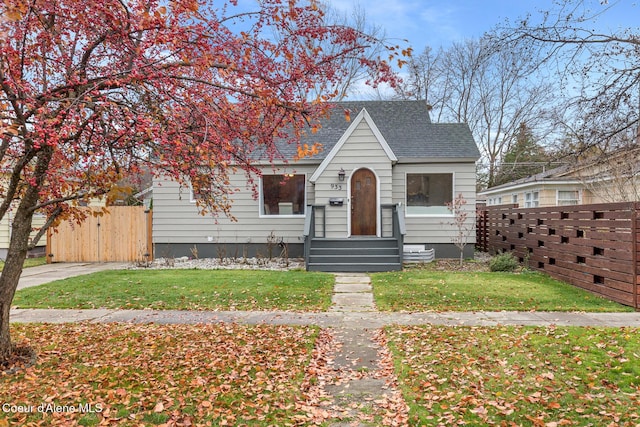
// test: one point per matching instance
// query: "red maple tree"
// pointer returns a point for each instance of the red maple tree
(92, 90)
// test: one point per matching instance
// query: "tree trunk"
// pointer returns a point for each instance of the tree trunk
(19, 245)
(11, 274)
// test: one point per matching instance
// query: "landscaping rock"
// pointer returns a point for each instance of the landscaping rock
(274, 264)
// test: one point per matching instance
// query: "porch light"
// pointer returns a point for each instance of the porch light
(341, 175)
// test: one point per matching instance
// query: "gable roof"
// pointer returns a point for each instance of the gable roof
(588, 170)
(405, 126)
(558, 175)
(362, 116)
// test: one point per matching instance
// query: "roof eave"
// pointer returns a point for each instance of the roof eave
(362, 116)
(507, 188)
(438, 159)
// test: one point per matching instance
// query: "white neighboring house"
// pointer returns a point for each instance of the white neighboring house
(601, 179)
(382, 180)
(5, 235)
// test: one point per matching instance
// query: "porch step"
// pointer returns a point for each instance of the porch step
(350, 267)
(370, 251)
(354, 255)
(355, 242)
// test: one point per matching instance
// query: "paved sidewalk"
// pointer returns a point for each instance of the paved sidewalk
(327, 319)
(352, 304)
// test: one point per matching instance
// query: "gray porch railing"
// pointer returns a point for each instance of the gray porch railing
(310, 228)
(313, 228)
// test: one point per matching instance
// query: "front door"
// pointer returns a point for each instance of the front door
(363, 203)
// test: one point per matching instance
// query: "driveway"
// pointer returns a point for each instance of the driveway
(39, 275)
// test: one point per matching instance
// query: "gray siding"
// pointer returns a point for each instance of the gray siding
(5, 231)
(436, 229)
(176, 220)
(362, 149)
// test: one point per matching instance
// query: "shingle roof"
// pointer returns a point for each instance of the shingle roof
(556, 174)
(406, 127)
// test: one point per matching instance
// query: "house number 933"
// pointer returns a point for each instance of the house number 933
(336, 186)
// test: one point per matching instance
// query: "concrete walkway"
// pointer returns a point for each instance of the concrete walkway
(329, 319)
(34, 276)
(358, 379)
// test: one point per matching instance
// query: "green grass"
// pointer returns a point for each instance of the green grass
(29, 262)
(518, 375)
(423, 290)
(185, 290)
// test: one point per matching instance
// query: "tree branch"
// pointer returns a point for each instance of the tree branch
(50, 220)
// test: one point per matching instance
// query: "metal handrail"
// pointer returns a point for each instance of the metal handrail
(309, 233)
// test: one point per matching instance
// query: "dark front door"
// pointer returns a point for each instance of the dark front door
(363, 203)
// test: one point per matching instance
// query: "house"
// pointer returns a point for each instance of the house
(5, 235)
(596, 179)
(382, 181)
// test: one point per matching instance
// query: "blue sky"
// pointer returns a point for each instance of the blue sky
(437, 23)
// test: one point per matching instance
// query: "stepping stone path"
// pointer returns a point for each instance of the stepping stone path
(360, 382)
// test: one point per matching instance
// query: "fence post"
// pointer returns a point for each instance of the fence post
(47, 252)
(634, 252)
(149, 224)
(481, 229)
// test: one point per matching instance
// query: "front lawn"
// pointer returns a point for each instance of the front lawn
(518, 376)
(123, 374)
(426, 290)
(185, 290)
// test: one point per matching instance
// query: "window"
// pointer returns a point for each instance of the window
(429, 193)
(198, 195)
(283, 195)
(514, 199)
(566, 198)
(531, 200)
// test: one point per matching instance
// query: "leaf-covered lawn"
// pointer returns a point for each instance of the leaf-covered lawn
(122, 374)
(424, 290)
(185, 290)
(513, 376)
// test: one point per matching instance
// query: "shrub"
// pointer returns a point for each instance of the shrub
(503, 262)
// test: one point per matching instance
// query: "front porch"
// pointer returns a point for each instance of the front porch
(355, 253)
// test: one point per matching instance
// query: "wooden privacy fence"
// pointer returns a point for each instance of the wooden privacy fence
(594, 247)
(121, 235)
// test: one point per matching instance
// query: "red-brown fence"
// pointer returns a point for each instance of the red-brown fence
(594, 247)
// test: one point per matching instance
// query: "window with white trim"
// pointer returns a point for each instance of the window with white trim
(514, 199)
(429, 193)
(568, 197)
(532, 199)
(282, 195)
